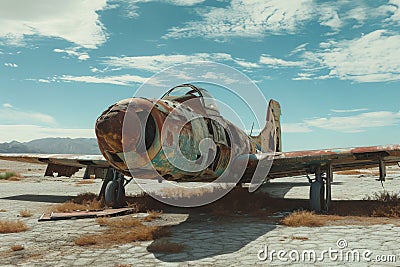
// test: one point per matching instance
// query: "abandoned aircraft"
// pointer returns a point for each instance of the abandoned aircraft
(148, 138)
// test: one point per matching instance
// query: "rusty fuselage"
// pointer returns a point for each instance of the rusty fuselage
(138, 136)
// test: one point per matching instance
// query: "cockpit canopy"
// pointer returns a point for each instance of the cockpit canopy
(185, 92)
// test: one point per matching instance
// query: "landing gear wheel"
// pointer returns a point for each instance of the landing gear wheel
(115, 193)
(316, 196)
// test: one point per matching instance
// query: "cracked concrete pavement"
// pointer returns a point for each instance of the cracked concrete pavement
(208, 241)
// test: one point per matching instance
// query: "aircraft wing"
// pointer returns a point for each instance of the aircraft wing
(63, 164)
(285, 164)
(295, 163)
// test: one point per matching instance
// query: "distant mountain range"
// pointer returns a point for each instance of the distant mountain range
(87, 146)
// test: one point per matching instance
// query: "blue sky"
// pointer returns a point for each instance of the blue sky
(334, 66)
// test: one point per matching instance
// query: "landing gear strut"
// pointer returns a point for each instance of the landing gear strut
(113, 189)
(320, 190)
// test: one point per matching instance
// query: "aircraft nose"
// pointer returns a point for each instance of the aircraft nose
(109, 128)
(123, 130)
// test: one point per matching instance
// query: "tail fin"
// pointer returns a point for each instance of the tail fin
(270, 137)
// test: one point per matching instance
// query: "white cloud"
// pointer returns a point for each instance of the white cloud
(348, 110)
(356, 123)
(329, 16)
(295, 128)
(10, 115)
(215, 76)
(7, 105)
(248, 19)
(394, 7)
(117, 80)
(40, 80)
(11, 65)
(298, 49)
(73, 52)
(185, 2)
(27, 132)
(246, 64)
(372, 57)
(345, 124)
(303, 77)
(131, 5)
(258, 18)
(278, 63)
(157, 63)
(74, 20)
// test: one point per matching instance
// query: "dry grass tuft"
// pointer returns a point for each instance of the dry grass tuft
(3, 210)
(14, 178)
(237, 202)
(126, 222)
(85, 201)
(165, 246)
(7, 175)
(86, 240)
(302, 238)
(122, 231)
(17, 247)
(186, 192)
(25, 213)
(10, 176)
(389, 204)
(115, 236)
(152, 215)
(102, 221)
(7, 226)
(359, 172)
(140, 233)
(84, 198)
(384, 196)
(303, 218)
(85, 182)
(67, 207)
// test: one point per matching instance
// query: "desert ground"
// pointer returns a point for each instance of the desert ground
(205, 237)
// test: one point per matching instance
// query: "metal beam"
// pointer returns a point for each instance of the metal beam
(382, 170)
